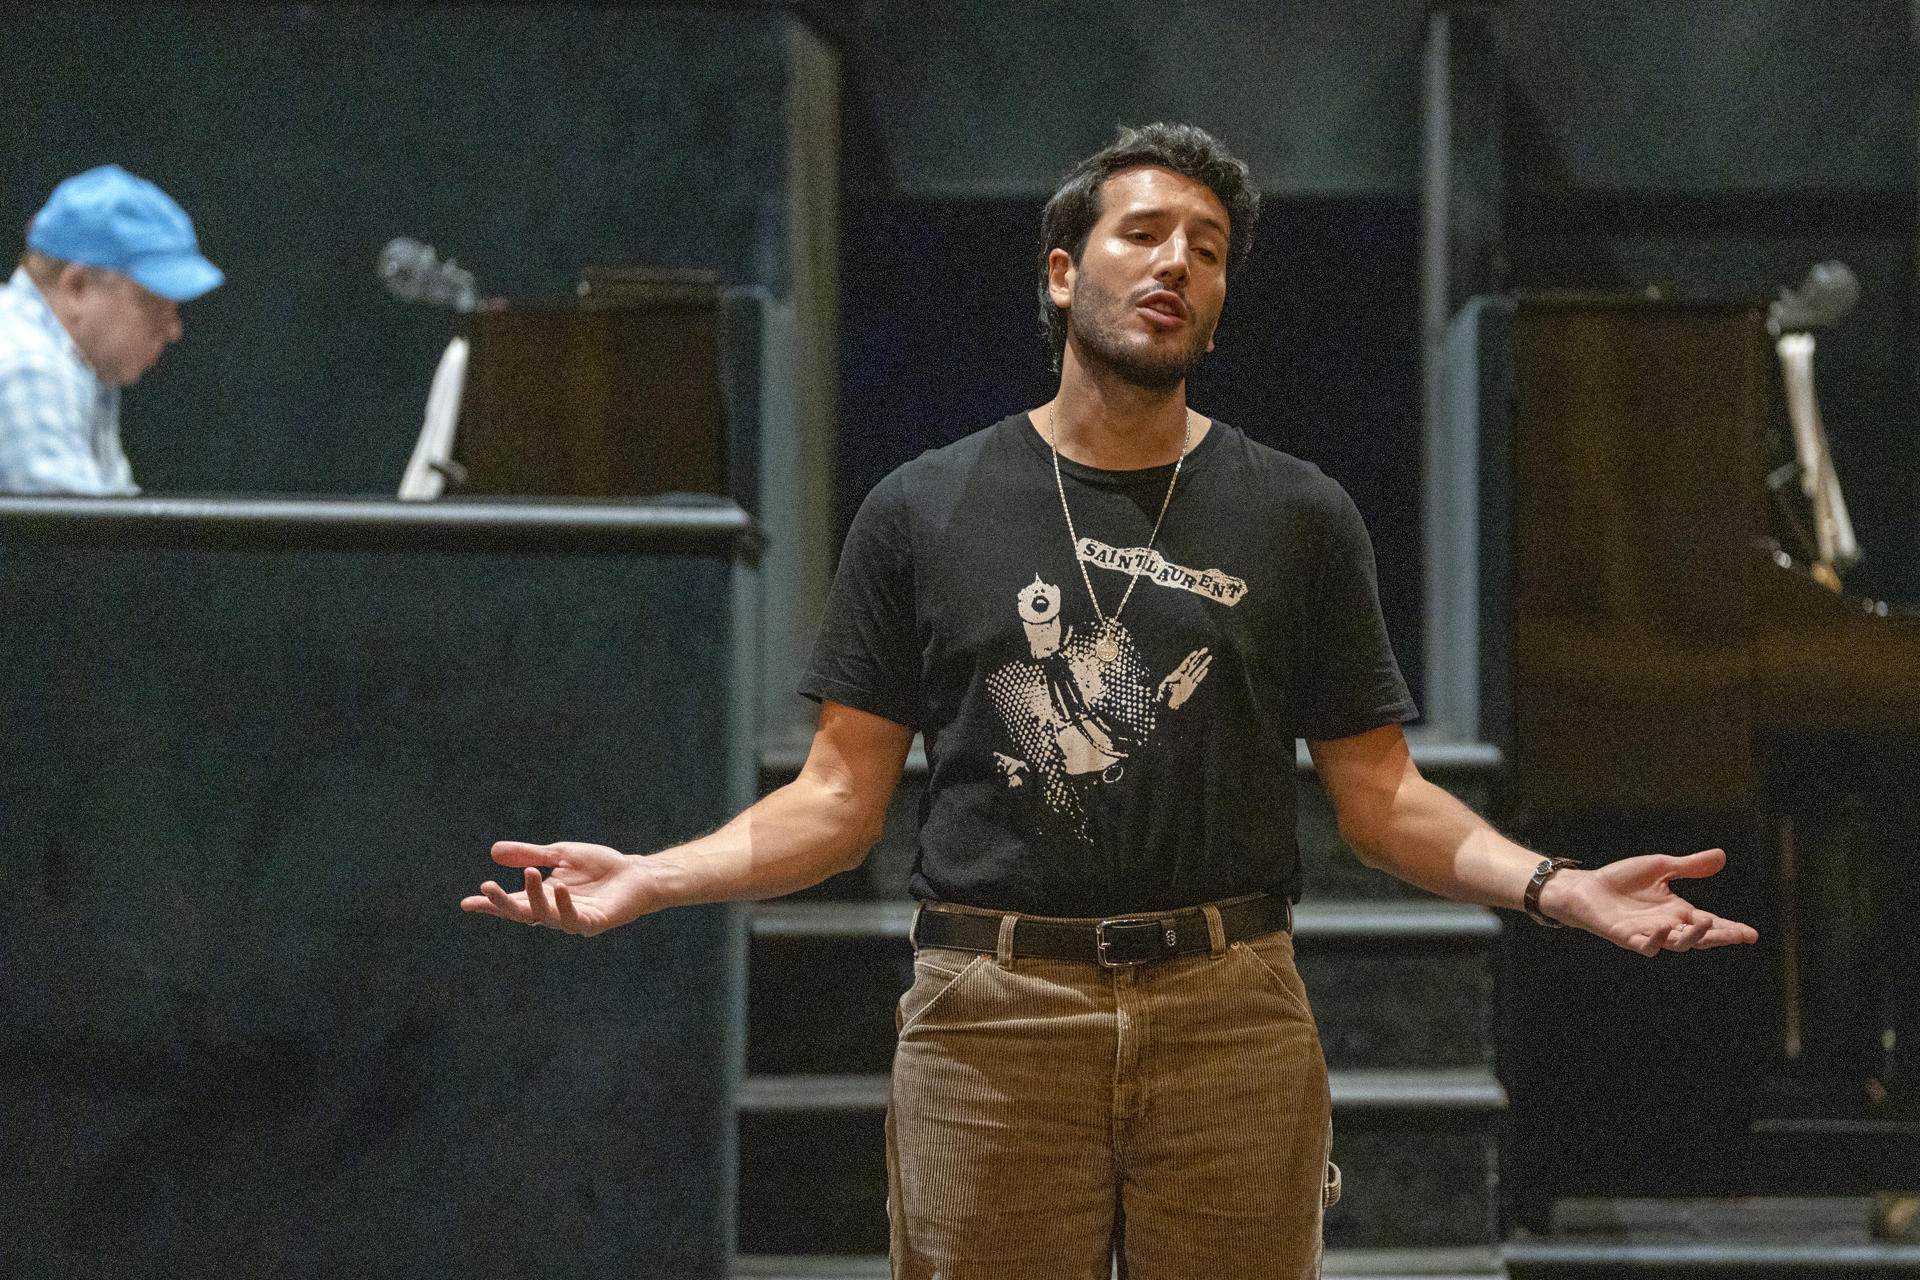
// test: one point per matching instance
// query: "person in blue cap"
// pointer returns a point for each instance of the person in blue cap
(93, 303)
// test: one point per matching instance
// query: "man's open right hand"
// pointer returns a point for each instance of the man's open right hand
(589, 888)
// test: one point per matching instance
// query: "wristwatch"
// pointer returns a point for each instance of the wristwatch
(1541, 873)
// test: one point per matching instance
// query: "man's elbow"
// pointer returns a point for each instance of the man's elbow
(858, 825)
(853, 839)
(1365, 840)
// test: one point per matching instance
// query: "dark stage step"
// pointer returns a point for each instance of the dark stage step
(1440, 1097)
(1832, 1136)
(1374, 1264)
(1744, 1238)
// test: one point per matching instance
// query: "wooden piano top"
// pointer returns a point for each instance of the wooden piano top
(1828, 663)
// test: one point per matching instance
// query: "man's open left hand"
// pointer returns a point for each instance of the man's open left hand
(1630, 904)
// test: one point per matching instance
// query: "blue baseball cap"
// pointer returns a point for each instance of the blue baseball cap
(106, 217)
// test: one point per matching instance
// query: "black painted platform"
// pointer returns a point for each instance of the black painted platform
(253, 755)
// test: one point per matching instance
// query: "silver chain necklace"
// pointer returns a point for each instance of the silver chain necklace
(1107, 646)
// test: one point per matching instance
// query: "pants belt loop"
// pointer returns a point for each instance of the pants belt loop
(913, 926)
(1004, 953)
(1216, 930)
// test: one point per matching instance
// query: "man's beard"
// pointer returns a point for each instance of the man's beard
(1094, 321)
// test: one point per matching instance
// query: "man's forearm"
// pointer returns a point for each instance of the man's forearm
(794, 837)
(1427, 837)
(1399, 822)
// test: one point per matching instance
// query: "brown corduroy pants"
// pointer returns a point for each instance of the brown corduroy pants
(1050, 1116)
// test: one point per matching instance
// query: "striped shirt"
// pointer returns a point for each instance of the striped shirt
(59, 424)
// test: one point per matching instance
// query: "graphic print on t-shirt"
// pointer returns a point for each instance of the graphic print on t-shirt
(1222, 588)
(1075, 720)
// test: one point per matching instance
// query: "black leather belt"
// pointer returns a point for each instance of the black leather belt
(1138, 938)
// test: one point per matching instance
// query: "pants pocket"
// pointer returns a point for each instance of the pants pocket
(1272, 956)
(936, 971)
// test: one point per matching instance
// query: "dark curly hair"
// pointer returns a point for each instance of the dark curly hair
(1187, 150)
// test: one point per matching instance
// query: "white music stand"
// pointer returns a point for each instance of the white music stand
(427, 470)
(1833, 530)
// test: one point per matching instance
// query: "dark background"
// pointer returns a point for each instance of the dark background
(1716, 148)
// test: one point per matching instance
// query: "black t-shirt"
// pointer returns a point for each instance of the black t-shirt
(1061, 784)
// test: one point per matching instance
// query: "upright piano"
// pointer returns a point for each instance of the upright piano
(1675, 679)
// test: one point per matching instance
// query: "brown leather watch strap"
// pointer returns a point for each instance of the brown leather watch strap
(1541, 874)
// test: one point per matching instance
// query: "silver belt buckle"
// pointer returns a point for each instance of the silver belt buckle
(1101, 944)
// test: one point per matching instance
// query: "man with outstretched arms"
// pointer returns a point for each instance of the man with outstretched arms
(1111, 618)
